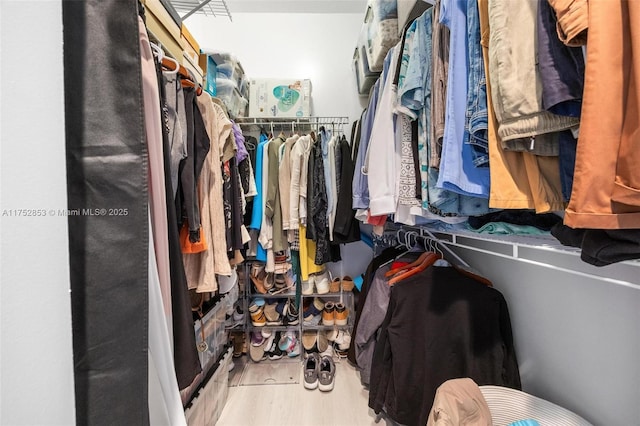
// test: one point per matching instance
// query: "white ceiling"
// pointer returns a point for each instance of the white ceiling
(296, 6)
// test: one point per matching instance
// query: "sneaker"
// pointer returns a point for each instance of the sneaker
(311, 370)
(273, 351)
(307, 286)
(287, 341)
(309, 338)
(328, 313)
(257, 315)
(322, 282)
(312, 312)
(292, 315)
(256, 353)
(236, 319)
(271, 314)
(342, 340)
(327, 373)
(341, 314)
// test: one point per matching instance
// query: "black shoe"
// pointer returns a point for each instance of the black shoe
(274, 352)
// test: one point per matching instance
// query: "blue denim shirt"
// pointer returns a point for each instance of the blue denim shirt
(457, 171)
(476, 124)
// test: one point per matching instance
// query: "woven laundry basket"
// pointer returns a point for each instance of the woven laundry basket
(510, 405)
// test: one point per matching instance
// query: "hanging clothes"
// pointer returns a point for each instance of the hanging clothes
(608, 196)
(430, 335)
(201, 268)
(197, 148)
(185, 355)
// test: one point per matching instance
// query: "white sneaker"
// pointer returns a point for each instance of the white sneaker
(323, 282)
(307, 286)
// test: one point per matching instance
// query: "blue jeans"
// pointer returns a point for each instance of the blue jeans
(476, 120)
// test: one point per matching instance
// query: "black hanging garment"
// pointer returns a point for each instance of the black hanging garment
(185, 355)
(440, 325)
(107, 160)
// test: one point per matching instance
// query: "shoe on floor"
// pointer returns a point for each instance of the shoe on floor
(311, 370)
(327, 373)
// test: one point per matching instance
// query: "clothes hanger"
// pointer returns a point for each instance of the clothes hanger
(427, 260)
(409, 246)
(461, 266)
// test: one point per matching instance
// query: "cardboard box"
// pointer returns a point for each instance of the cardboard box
(280, 98)
(189, 44)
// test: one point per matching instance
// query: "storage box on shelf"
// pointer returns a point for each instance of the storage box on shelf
(227, 91)
(380, 31)
(279, 98)
(210, 70)
(365, 78)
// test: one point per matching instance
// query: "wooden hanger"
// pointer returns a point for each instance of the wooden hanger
(427, 261)
(185, 78)
(413, 264)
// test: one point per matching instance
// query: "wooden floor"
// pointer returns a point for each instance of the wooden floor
(292, 404)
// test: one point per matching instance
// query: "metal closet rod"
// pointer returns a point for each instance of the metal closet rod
(422, 235)
(285, 121)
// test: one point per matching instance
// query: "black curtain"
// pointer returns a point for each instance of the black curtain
(107, 193)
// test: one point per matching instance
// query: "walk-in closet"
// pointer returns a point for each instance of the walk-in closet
(315, 212)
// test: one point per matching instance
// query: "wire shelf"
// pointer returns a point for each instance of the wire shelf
(215, 8)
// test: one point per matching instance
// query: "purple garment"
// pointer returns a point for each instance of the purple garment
(242, 152)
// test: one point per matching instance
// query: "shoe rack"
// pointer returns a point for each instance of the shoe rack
(270, 312)
(336, 306)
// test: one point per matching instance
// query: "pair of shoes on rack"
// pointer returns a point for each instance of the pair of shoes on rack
(341, 339)
(314, 341)
(319, 372)
(317, 283)
(312, 313)
(264, 345)
(287, 308)
(334, 314)
(345, 284)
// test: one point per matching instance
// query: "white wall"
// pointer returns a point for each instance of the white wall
(575, 326)
(276, 45)
(36, 356)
